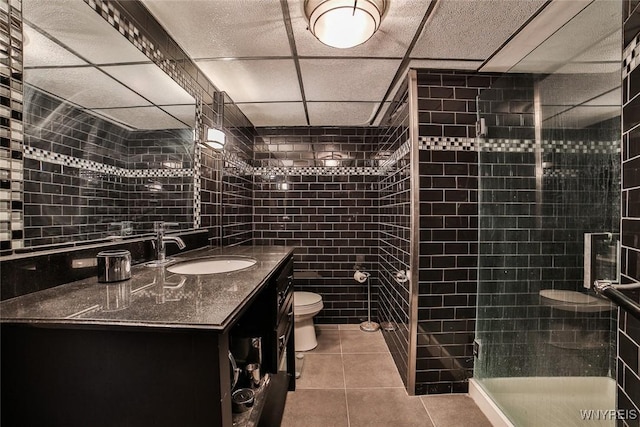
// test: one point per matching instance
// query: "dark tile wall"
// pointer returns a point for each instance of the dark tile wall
(237, 178)
(66, 202)
(394, 311)
(536, 201)
(160, 198)
(628, 327)
(448, 228)
(327, 210)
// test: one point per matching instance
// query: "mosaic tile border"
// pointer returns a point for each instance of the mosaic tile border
(397, 155)
(443, 143)
(234, 161)
(89, 165)
(317, 170)
(197, 167)
(631, 56)
(124, 26)
(549, 146)
(11, 128)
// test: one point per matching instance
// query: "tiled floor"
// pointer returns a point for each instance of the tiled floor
(350, 380)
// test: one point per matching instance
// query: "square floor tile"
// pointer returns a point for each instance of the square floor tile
(328, 342)
(321, 371)
(454, 410)
(349, 327)
(363, 342)
(315, 408)
(386, 407)
(370, 370)
(323, 327)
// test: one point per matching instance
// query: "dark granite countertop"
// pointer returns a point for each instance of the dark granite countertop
(153, 297)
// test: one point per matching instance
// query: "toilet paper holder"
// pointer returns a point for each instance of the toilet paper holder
(361, 276)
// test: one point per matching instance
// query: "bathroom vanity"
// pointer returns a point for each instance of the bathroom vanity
(152, 350)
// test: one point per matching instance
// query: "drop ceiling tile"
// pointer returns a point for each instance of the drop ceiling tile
(396, 31)
(596, 23)
(338, 79)
(275, 113)
(40, 51)
(73, 85)
(608, 49)
(151, 82)
(143, 118)
(341, 113)
(184, 113)
(254, 80)
(471, 29)
(224, 28)
(82, 30)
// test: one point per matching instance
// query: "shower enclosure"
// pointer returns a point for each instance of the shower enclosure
(549, 166)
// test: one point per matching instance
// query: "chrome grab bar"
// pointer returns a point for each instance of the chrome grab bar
(609, 290)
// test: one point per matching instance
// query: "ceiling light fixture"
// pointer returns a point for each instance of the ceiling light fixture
(344, 23)
(215, 139)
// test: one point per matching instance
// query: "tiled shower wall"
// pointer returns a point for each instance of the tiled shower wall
(628, 327)
(448, 228)
(537, 199)
(315, 188)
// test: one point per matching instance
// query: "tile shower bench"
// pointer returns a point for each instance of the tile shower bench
(151, 350)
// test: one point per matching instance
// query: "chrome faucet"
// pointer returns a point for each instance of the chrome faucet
(161, 239)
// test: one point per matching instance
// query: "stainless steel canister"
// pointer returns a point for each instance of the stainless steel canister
(114, 266)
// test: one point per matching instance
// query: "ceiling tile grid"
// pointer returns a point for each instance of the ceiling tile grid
(224, 28)
(338, 79)
(255, 80)
(460, 29)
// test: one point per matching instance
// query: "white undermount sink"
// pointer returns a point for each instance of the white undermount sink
(212, 265)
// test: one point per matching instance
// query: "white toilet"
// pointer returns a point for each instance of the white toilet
(305, 306)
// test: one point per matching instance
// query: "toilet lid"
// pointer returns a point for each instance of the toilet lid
(305, 298)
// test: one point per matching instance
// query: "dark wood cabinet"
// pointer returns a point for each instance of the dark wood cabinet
(108, 375)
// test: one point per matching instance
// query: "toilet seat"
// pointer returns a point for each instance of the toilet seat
(306, 303)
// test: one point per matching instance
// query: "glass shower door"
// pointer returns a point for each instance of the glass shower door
(549, 173)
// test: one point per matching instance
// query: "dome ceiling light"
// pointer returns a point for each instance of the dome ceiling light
(344, 23)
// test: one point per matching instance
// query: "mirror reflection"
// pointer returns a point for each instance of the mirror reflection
(108, 135)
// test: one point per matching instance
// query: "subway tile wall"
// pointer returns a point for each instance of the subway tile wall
(628, 327)
(84, 176)
(448, 228)
(394, 299)
(537, 198)
(312, 190)
(237, 178)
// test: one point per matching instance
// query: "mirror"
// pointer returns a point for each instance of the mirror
(108, 135)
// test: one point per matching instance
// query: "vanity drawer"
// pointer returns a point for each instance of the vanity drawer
(284, 301)
(285, 328)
